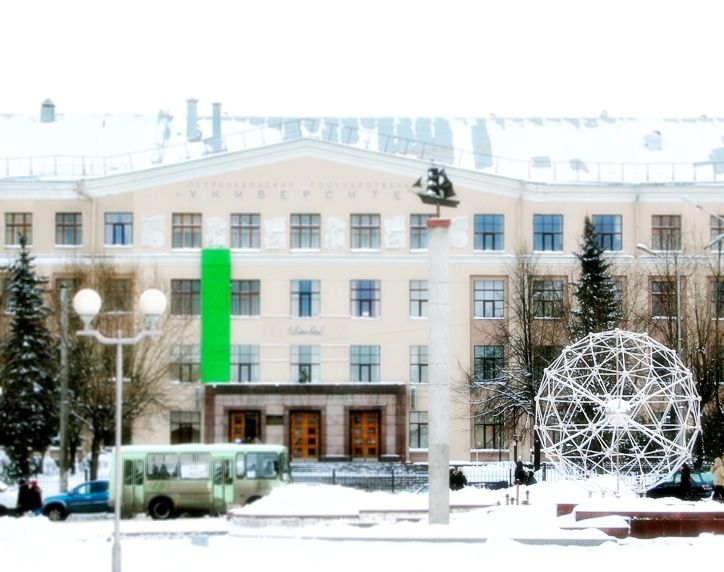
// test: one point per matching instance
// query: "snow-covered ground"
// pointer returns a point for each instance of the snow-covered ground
(475, 539)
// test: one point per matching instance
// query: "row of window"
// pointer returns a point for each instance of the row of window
(185, 427)
(304, 363)
(487, 431)
(488, 298)
(365, 297)
(365, 230)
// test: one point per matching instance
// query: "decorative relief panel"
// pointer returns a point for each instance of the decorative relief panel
(334, 233)
(275, 235)
(395, 234)
(152, 234)
(217, 232)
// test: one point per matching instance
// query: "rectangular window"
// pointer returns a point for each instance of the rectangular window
(488, 363)
(548, 232)
(364, 363)
(185, 297)
(245, 295)
(68, 229)
(185, 362)
(161, 466)
(418, 430)
(608, 231)
(418, 231)
(418, 364)
(17, 225)
(305, 364)
(186, 230)
(365, 229)
(548, 298)
(666, 232)
(305, 298)
(119, 229)
(488, 232)
(716, 228)
(488, 433)
(489, 298)
(305, 231)
(365, 298)
(418, 298)
(117, 295)
(663, 299)
(244, 364)
(194, 466)
(717, 299)
(186, 428)
(543, 356)
(245, 230)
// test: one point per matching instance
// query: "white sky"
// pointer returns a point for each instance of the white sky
(647, 58)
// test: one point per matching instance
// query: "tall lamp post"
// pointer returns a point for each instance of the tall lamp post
(87, 304)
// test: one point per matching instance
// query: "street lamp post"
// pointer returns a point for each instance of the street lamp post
(87, 303)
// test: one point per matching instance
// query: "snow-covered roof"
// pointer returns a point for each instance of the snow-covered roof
(544, 149)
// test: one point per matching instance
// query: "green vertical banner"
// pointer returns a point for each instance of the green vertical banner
(215, 315)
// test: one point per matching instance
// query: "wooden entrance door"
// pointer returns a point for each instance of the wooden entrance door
(305, 438)
(364, 429)
(244, 426)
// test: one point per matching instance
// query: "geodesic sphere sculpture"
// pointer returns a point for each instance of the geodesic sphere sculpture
(618, 403)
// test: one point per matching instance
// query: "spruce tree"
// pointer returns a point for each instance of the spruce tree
(598, 306)
(29, 398)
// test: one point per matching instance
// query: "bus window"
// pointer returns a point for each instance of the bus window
(138, 472)
(128, 472)
(240, 466)
(222, 472)
(194, 465)
(161, 466)
(265, 465)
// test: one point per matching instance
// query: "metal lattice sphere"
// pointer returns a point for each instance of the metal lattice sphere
(618, 403)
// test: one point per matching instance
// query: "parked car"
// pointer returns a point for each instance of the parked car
(88, 497)
(8, 499)
(702, 486)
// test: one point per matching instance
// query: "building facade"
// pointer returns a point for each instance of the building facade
(296, 274)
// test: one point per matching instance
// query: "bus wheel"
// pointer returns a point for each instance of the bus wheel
(252, 499)
(161, 509)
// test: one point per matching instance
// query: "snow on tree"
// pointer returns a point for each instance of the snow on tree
(598, 308)
(29, 398)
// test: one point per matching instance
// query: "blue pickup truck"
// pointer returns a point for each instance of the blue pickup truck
(89, 497)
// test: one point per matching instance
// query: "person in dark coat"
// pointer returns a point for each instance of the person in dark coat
(520, 476)
(685, 484)
(35, 497)
(458, 480)
(23, 502)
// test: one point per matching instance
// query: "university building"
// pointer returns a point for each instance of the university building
(294, 254)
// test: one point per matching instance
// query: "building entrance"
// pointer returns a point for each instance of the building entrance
(305, 438)
(365, 434)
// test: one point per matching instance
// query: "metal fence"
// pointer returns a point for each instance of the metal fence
(393, 477)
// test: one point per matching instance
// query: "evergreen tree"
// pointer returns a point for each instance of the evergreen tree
(598, 306)
(29, 398)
